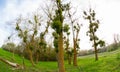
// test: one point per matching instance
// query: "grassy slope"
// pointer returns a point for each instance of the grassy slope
(108, 62)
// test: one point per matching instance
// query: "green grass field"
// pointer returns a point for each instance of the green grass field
(108, 62)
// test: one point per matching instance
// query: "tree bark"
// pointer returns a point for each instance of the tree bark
(37, 57)
(96, 55)
(95, 47)
(31, 57)
(69, 59)
(61, 54)
(75, 54)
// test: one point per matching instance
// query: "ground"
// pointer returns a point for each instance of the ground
(108, 62)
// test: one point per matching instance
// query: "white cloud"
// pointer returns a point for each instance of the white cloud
(3, 36)
(12, 10)
(107, 11)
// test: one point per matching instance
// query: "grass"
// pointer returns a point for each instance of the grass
(108, 62)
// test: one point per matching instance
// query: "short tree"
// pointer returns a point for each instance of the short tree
(27, 30)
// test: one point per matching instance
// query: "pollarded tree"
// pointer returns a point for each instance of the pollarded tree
(58, 19)
(76, 40)
(27, 30)
(93, 26)
(75, 32)
(57, 25)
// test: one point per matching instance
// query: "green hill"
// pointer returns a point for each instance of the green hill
(108, 62)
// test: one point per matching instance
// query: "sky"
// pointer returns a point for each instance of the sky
(107, 11)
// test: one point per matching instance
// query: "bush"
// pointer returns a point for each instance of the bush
(45, 54)
(9, 47)
(113, 47)
(48, 55)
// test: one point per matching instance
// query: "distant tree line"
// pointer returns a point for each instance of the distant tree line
(50, 53)
(111, 47)
(46, 55)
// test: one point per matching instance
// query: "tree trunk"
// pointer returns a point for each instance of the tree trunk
(61, 54)
(31, 57)
(37, 57)
(69, 59)
(75, 55)
(57, 59)
(95, 47)
(96, 55)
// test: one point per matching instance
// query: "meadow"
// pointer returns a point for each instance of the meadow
(108, 62)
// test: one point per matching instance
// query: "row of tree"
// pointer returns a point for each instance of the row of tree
(58, 22)
(49, 54)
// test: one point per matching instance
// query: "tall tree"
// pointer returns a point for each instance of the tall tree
(58, 21)
(93, 27)
(75, 32)
(57, 25)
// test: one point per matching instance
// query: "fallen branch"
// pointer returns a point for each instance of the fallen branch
(15, 65)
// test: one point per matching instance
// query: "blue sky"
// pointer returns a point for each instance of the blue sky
(10, 10)
(108, 12)
(2, 3)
